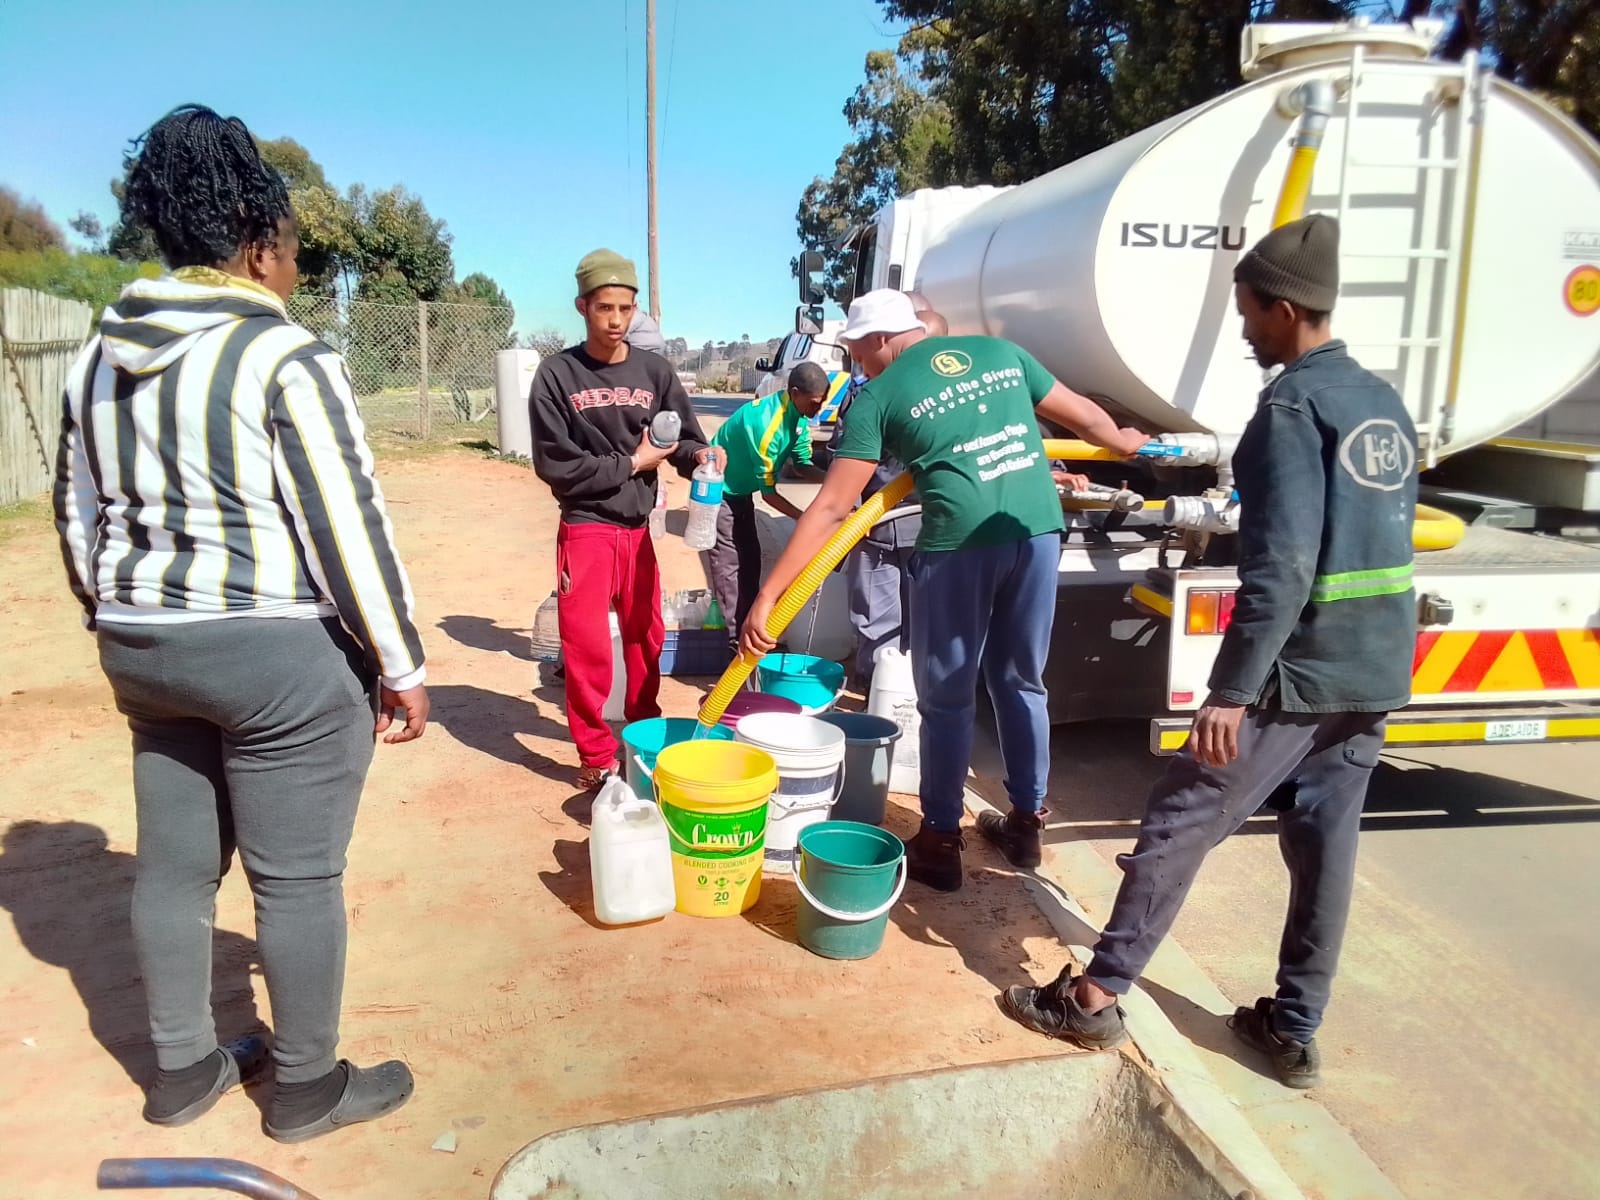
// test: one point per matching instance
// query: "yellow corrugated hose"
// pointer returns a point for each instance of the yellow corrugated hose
(797, 593)
(1434, 530)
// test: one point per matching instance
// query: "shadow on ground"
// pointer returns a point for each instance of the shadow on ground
(481, 633)
(1101, 774)
(490, 723)
(986, 922)
(69, 896)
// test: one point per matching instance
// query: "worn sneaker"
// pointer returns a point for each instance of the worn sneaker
(1019, 836)
(934, 859)
(1296, 1064)
(1055, 1012)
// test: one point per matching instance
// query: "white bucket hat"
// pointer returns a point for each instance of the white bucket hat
(881, 311)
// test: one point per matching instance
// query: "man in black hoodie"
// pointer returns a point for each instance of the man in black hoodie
(591, 407)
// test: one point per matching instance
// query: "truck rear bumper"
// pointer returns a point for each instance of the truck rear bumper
(1522, 723)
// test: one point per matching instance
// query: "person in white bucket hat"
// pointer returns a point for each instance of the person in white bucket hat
(961, 414)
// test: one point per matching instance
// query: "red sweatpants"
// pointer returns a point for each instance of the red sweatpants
(602, 569)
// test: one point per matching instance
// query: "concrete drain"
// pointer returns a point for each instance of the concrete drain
(1064, 1128)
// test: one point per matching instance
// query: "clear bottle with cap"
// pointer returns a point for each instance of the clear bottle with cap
(658, 513)
(705, 499)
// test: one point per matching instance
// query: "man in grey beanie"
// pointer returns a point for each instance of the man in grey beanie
(1318, 652)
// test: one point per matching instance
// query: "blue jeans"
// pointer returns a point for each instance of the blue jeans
(988, 609)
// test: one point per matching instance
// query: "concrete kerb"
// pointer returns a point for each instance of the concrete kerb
(1238, 1115)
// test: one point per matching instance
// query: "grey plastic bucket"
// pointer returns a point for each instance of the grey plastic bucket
(868, 744)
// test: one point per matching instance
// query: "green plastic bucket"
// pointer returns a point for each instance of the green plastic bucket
(849, 878)
(643, 740)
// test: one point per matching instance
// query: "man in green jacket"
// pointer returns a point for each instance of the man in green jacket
(759, 438)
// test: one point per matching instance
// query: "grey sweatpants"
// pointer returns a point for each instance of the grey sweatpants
(880, 584)
(1313, 770)
(254, 735)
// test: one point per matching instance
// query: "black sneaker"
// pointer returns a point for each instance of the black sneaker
(1019, 836)
(1296, 1064)
(1053, 1011)
(933, 859)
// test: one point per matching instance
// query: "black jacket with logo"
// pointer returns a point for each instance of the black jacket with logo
(1325, 619)
(587, 417)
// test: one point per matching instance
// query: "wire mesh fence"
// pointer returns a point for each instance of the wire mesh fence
(421, 370)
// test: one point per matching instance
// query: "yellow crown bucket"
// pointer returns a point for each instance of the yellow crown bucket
(714, 796)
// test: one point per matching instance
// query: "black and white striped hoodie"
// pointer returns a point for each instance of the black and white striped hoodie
(212, 465)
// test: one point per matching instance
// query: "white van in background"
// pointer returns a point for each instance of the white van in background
(796, 348)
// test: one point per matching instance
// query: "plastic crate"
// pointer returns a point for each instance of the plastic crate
(696, 652)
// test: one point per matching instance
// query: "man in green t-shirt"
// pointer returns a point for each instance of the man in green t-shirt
(961, 414)
(759, 438)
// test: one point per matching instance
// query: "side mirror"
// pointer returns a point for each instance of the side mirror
(811, 290)
(808, 320)
(763, 365)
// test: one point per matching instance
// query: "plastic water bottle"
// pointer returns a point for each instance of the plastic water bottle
(630, 857)
(705, 498)
(658, 514)
(665, 429)
(546, 638)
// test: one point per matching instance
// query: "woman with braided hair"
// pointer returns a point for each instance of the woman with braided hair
(225, 536)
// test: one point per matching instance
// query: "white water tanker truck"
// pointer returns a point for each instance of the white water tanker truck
(1470, 213)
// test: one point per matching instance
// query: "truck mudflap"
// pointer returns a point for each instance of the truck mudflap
(1413, 727)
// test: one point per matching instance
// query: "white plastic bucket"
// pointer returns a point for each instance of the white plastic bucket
(894, 695)
(810, 758)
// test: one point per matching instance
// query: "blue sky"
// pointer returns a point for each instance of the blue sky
(520, 124)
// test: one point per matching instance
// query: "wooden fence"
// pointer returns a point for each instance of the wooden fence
(40, 335)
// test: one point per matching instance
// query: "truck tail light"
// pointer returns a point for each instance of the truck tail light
(1209, 613)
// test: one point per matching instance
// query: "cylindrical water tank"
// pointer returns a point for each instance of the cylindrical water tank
(513, 381)
(1116, 270)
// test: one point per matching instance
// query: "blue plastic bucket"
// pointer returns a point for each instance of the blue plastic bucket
(643, 740)
(849, 878)
(811, 682)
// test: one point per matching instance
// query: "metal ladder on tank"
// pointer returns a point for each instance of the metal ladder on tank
(1441, 366)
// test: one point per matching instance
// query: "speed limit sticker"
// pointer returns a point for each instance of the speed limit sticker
(1582, 290)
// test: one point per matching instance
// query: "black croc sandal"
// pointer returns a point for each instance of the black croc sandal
(239, 1062)
(369, 1093)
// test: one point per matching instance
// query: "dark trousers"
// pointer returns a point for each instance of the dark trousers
(736, 560)
(878, 587)
(254, 735)
(1313, 770)
(983, 611)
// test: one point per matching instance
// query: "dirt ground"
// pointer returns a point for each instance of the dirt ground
(474, 954)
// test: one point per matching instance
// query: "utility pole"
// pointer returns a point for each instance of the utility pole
(650, 152)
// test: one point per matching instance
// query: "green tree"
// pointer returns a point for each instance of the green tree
(96, 279)
(402, 253)
(24, 225)
(1033, 84)
(1548, 46)
(899, 132)
(479, 288)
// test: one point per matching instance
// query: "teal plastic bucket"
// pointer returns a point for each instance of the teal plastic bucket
(643, 740)
(811, 682)
(849, 878)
